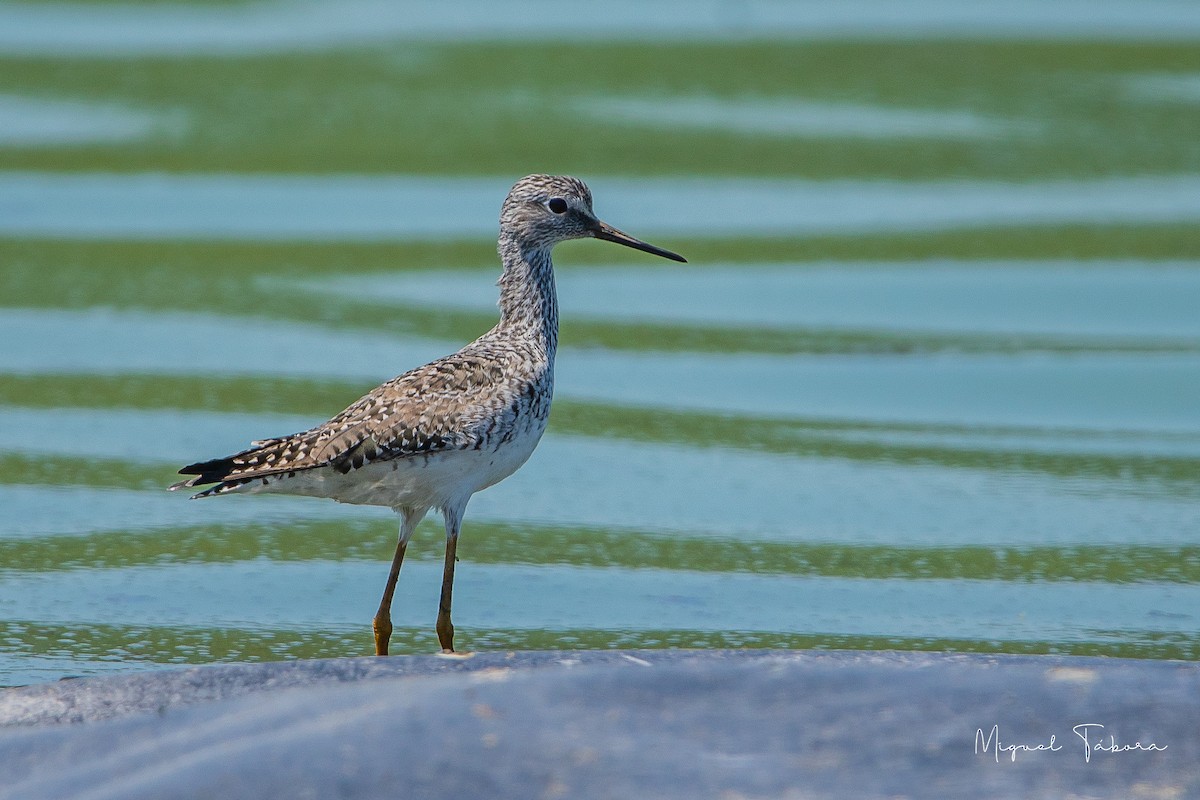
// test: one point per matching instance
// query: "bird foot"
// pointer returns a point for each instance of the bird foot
(382, 628)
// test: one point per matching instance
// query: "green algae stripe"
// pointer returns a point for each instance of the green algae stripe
(96, 473)
(181, 392)
(1064, 108)
(856, 441)
(497, 543)
(225, 278)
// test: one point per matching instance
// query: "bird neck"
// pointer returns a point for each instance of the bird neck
(528, 302)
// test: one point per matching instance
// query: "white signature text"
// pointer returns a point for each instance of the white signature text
(1090, 734)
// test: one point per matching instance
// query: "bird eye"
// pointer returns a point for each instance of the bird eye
(557, 205)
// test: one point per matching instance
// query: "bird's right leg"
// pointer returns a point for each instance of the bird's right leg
(382, 624)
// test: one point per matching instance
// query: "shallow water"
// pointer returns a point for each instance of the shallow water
(171, 29)
(914, 391)
(355, 207)
(1142, 391)
(43, 122)
(242, 594)
(1156, 299)
(709, 491)
(797, 118)
(1165, 87)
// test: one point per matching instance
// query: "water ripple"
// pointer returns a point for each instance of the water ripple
(139, 29)
(326, 594)
(374, 207)
(1147, 392)
(614, 485)
(1098, 298)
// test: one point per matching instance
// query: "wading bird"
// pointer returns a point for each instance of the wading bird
(436, 435)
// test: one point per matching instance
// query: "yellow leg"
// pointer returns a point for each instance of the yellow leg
(382, 624)
(445, 629)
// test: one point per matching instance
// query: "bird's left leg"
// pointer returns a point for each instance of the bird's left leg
(382, 624)
(445, 629)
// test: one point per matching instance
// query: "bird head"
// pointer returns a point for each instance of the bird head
(543, 210)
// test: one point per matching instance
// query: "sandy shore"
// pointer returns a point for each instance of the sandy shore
(621, 724)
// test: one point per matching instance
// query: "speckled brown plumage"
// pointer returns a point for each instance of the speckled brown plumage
(434, 436)
(477, 398)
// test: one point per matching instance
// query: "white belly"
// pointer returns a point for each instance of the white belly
(434, 480)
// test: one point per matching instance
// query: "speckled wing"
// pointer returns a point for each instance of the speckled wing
(458, 402)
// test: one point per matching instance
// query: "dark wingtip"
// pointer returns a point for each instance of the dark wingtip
(201, 467)
(213, 471)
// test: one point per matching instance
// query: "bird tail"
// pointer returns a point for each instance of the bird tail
(231, 472)
(218, 471)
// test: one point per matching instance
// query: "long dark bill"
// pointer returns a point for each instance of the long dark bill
(610, 234)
